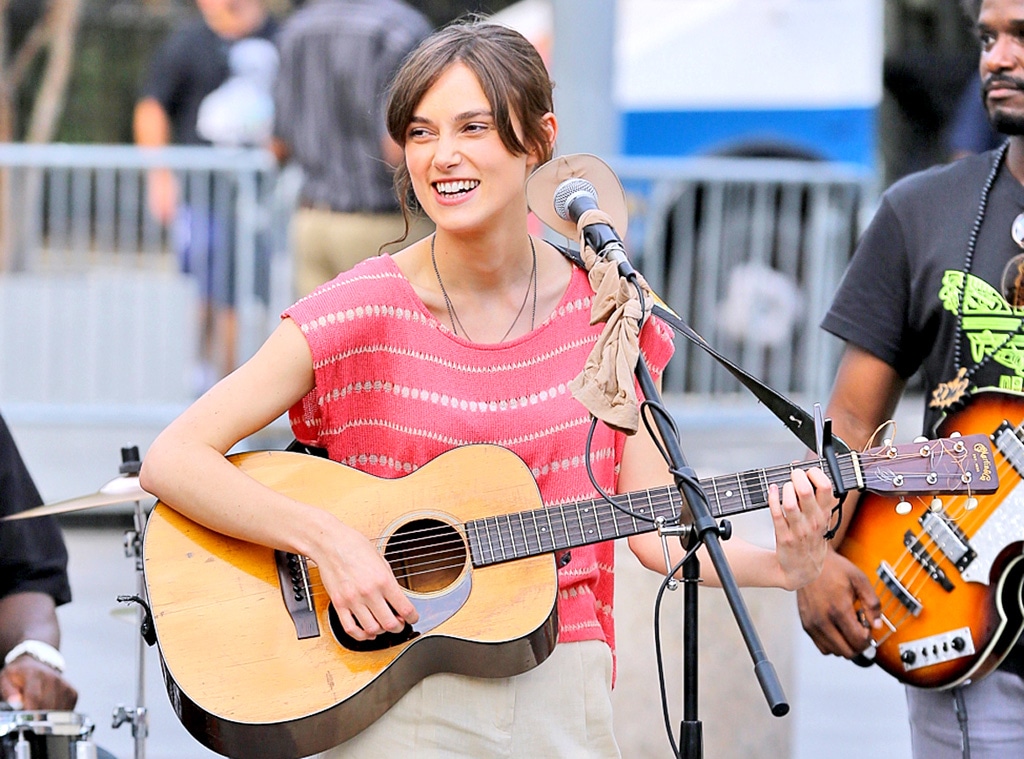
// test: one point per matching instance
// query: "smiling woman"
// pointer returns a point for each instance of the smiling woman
(469, 340)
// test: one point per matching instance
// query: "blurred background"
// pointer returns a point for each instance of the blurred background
(753, 138)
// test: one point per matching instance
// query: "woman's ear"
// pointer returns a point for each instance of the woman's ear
(549, 125)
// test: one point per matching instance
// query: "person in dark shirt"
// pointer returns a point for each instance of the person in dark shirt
(33, 583)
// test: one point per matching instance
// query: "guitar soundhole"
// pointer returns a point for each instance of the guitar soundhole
(426, 555)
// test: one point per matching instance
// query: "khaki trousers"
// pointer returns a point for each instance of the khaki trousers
(558, 710)
(326, 243)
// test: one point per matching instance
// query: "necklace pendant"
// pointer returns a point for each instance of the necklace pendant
(1017, 230)
(950, 393)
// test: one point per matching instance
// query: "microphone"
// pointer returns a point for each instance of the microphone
(573, 198)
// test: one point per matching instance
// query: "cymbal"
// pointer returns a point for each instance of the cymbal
(123, 489)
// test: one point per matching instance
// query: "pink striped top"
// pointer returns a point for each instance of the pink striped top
(395, 388)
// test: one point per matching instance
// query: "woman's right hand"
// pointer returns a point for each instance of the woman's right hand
(361, 585)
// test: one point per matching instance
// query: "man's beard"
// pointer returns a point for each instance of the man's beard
(1003, 121)
(1007, 122)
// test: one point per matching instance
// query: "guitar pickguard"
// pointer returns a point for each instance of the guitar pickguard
(1002, 528)
(433, 610)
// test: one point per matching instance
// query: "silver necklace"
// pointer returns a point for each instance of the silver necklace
(453, 316)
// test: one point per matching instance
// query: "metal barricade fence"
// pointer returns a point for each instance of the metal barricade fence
(98, 318)
(748, 252)
(103, 309)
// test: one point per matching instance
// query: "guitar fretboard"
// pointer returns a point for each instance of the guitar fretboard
(506, 537)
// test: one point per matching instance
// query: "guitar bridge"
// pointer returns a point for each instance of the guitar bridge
(293, 577)
(935, 649)
(889, 579)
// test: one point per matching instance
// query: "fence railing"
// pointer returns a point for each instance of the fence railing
(748, 252)
(98, 316)
(104, 304)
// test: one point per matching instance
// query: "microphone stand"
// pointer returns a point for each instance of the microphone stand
(704, 530)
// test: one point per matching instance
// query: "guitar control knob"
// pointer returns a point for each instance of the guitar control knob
(908, 657)
(958, 643)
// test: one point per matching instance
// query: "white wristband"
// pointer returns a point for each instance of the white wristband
(38, 650)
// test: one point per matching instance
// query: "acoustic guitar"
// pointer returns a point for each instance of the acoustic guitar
(256, 663)
(948, 571)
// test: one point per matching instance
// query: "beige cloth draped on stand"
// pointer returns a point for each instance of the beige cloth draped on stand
(607, 384)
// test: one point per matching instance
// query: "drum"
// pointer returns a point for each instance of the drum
(45, 735)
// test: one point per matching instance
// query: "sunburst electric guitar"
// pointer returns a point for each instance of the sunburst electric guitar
(949, 571)
(256, 663)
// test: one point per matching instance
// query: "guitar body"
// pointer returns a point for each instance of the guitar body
(970, 611)
(256, 663)
(239, 677)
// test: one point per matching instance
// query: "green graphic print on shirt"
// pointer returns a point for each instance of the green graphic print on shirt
(988, 321)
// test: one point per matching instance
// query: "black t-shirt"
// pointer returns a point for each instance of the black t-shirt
(32, 553)
(187, 67)
(899, 297)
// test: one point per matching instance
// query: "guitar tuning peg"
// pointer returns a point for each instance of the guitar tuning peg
(903, 507)
(955, 434)
(920, 439)
(971, 503)
(936, 504)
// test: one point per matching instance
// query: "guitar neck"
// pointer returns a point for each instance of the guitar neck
(507, 537)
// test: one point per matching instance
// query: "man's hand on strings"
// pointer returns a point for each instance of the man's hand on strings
(840, 608)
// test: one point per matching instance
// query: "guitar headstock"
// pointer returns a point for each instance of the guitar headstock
(932, 467)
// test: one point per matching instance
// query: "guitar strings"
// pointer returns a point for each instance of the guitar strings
(965, 519)
(451, 553)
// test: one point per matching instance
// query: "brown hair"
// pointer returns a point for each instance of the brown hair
(511, 73)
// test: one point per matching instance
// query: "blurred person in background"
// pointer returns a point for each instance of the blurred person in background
(204, 87)
(337, 58)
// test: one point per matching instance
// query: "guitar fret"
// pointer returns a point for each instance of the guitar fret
(751, 488)
(526, 535)
(565, 526)
(650, 505)
(473, 536)
(511, 536)
(539, 532)
(579, 520)
(630, 516)
(501, 543)
(486, 522)
(521, 531)
(718, 499)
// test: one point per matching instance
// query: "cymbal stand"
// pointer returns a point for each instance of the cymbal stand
(138, 716)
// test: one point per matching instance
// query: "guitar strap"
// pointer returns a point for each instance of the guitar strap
(796, 419)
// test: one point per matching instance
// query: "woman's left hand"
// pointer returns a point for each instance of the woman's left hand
(800, 518)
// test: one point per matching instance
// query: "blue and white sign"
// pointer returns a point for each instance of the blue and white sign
(706, 76)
